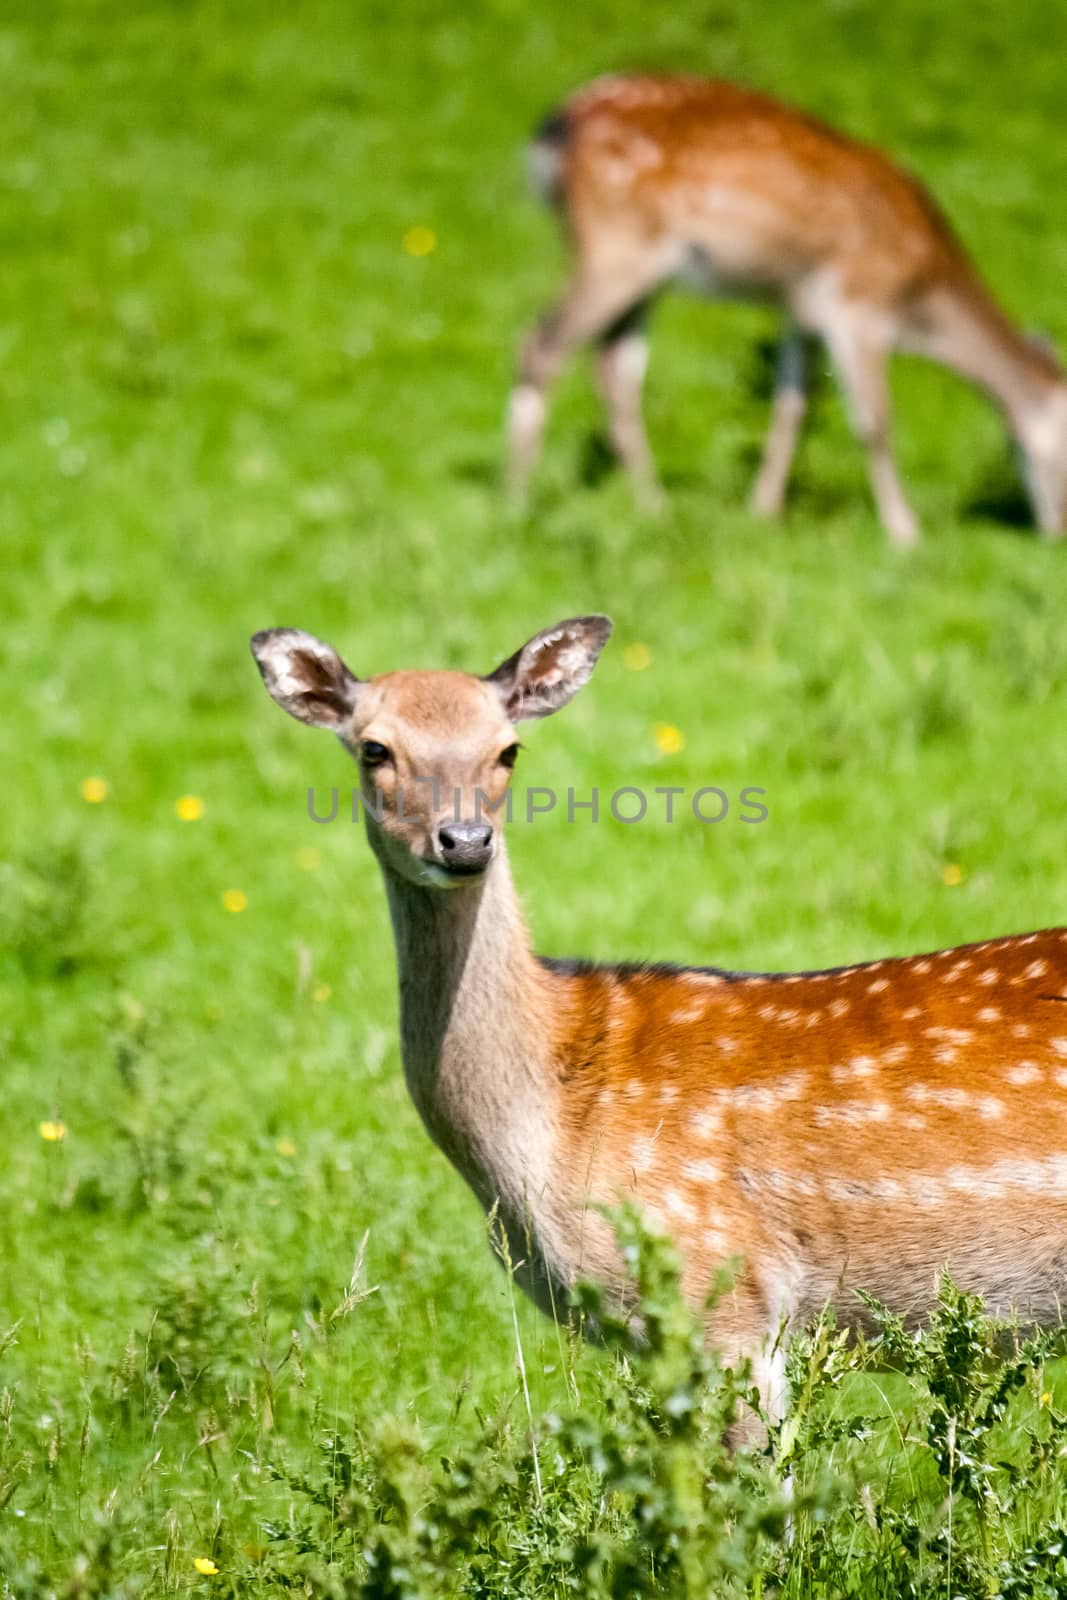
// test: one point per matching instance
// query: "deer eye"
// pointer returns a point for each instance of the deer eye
(375, 754)
(508, 757)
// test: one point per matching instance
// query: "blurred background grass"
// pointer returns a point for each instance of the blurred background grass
(231, 398)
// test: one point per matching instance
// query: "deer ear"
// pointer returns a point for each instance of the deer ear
(306, 677)
(551, 668)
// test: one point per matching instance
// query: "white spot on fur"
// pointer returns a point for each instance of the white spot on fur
(751, 1097)
(678, 1206)
(887, 1189)
(923, 1094)
(951, 1035)
(846, 1190)
(706, 1124)
(1025, 1072)
(764, 1097)
(1030, 1175)
(643, 1154)
(853, 1114)
(700, 1171)
(965, 1180)
(686, 1014)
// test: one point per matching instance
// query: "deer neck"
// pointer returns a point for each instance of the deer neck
(476, 1031)
(973, 335)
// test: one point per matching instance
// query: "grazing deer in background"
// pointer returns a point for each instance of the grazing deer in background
(859, 1128)
(673, 179)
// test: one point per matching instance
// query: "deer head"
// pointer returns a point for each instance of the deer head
(435, 749)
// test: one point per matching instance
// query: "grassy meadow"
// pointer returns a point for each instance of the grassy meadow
(246, 1310)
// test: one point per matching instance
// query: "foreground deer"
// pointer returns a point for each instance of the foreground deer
(859, 1128)
(679, 179)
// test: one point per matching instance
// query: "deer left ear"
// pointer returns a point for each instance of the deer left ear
(550, 668)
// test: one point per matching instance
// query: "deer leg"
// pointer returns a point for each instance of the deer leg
(766, 1362)
(621, 366)
(787, 414)
(741, 1328)
(590, 308)
(860, 359)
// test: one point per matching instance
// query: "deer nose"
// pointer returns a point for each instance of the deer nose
(465, 846)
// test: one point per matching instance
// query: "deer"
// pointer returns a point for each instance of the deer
(680, 180)
(863, 1128)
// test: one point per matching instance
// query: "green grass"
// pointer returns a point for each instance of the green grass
(229, 399)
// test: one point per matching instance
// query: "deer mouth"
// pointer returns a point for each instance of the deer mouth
(457, 876)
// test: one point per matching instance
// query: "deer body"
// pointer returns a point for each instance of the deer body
(672, 179)
(859, 1128)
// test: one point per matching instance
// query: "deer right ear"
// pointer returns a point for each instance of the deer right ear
(306, 677)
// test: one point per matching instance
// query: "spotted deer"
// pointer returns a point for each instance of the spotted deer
(680, 180)
(864, 1127)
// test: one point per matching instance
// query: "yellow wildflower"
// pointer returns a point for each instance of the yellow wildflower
(285, 1147)
(669, 739)
(420, 240)
(636, 657)
(190, 808)
(94, 790)
(321, 992)
(205, 1566)
(953, 875)
(54, 1132)
(235, 900)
